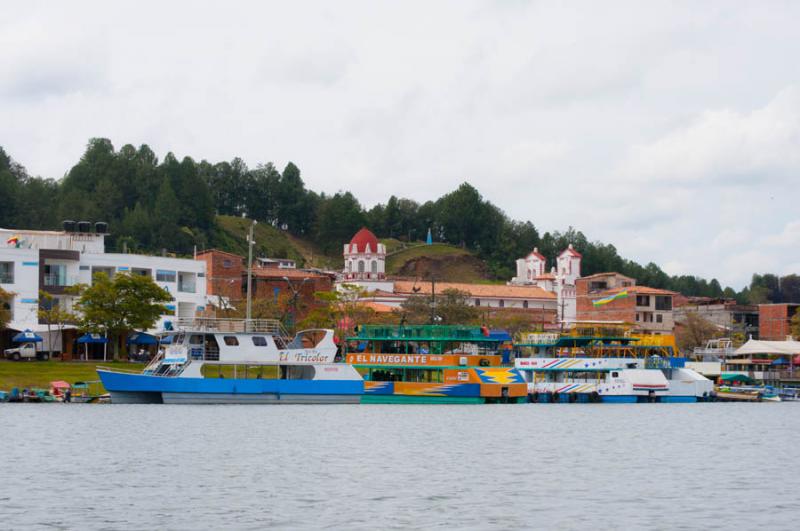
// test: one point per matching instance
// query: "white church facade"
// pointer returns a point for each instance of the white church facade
(365, 262)
(532, 271)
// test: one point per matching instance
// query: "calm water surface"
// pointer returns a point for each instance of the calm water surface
(569, 466)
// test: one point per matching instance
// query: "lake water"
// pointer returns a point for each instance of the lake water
(648, 466)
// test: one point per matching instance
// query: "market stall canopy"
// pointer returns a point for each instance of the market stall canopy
(59, 384)
(743, 378)
(92, 338)
(140, 338)
(756, 346)
(27, 337)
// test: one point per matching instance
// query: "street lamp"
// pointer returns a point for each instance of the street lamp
(250, 243)
(295, 294)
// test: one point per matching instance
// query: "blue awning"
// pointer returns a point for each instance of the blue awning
(92, 338)
(27, 336)
(140, 338)
(499, 335)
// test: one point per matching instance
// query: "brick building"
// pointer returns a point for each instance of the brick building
(612, 297)
(774, 320)
(223, 273)
(271, 279)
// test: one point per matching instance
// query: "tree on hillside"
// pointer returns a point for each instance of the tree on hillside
(795, 325)
(338, 218)
(119, 306)
(694, 331)
(5, 308)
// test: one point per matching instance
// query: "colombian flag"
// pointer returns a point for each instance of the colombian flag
(605, 300)
(14, 240)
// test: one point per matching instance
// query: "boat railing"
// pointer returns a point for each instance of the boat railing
(209, 324)
(154, 363)
(115, 369)
(712, 354)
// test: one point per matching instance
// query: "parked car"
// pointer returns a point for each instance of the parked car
(26, 351)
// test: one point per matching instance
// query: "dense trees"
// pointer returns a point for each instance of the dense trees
(171, 205)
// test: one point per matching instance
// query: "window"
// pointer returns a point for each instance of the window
(138, 271)
(598, 285)
(361, 266)
(231, 341)
(663, 302)
(502, 303)
(374, 266)
(637, 316)
(524, 304)
(643, 300)
(659, 318)
(196, 339)
(477, 302)
(227, 264)
(166, 276)
(187, 282)
(6, 272)
(55, 275)
(260, 341)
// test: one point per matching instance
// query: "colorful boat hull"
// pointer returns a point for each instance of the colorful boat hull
(138, 388)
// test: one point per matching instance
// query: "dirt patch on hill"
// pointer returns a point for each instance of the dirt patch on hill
(464, 268)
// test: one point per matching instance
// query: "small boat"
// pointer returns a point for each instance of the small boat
(728, 393)
(236, 361)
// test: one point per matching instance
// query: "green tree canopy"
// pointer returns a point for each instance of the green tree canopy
(120, 305)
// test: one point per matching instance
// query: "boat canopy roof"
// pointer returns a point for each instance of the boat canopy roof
(423, 333)
(581, 341)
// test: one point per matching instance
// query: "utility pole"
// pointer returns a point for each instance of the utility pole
(433, 299)
(250, 243)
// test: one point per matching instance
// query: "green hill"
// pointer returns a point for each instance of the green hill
(446, 262)
(231, 236)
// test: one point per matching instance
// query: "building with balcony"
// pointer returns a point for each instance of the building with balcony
(729, 316)
(611, 297)
(54, 261)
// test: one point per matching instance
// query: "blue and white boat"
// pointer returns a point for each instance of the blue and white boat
(225, 361)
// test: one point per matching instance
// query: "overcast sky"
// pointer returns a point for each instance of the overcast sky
(670, 130)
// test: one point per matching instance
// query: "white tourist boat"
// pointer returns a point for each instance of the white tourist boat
(225, 361)
(622, 380)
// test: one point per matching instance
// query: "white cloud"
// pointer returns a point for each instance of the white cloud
(670, 130)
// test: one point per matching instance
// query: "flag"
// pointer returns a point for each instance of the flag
(14, 240)
(605, 300)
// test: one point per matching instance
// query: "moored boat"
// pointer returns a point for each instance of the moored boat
(432, 364)
(608, 368)
(223, 361)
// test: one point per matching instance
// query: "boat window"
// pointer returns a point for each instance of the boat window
(387, 375)
(615, 374)
(196, 339)
(231, 341)
(259, 341)
(423, 375)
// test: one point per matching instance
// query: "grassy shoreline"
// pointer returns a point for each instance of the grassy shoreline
(22, 374)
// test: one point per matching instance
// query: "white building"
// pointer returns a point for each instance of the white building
(365, 262)
(52, 261)
(531, 271)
